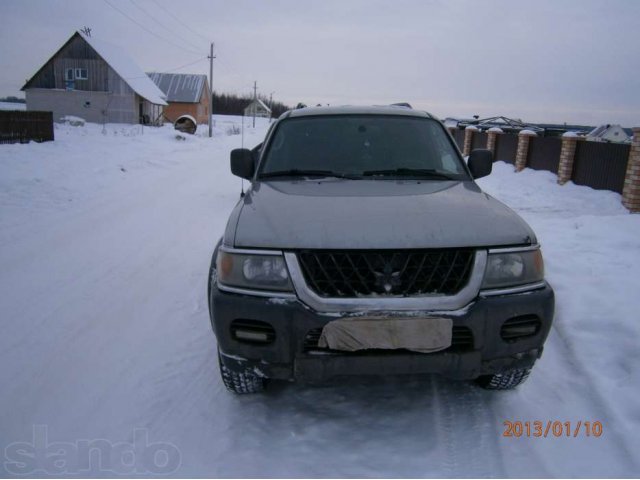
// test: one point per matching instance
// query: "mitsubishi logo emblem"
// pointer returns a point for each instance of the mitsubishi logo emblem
(387, 278)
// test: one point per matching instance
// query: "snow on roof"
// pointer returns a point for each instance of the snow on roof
(260, 103)
(130, 72)
(598, 131)
(180, 87)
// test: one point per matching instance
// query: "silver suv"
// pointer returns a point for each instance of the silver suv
(364, 246)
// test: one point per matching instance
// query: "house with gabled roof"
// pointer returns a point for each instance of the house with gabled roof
(95, 80)
(257, 108)
(186, 94)
(608, 133)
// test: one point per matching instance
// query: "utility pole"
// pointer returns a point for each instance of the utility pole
(271, 106)
(255, 102)
(211, 57)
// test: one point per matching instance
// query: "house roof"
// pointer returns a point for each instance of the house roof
(260, 103)
(602, 130)
(180, 87)
(129, 70)
(123, 65)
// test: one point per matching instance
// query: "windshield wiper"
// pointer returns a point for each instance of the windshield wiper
(294, 172)
(409, 172)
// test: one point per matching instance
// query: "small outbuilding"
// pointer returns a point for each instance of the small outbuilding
(258, 108)
(187, 94)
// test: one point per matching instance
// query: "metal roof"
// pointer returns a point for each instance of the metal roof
(180, 87)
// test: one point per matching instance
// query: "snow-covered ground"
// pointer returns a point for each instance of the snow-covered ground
(12, 106)
(105, 242)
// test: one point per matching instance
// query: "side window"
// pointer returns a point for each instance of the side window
(81, 74)
(68, 74)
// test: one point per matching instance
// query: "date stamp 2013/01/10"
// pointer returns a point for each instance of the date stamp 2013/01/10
(552, 428)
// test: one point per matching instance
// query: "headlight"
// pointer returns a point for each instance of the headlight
(510, 269)
(243, 270)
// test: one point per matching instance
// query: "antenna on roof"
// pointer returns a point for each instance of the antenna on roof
(242, 146)
(86, 31)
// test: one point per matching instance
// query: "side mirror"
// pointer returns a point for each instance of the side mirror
(480, 163)
(242, 163)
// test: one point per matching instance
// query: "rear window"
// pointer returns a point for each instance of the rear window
(353, 144)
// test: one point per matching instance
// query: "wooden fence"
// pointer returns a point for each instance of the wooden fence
(22, 127)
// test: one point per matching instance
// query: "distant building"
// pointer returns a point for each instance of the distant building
(97, 81)
(187, 94)
(608, 133)
(259, 107)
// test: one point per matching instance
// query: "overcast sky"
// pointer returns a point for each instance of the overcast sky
(543, 61)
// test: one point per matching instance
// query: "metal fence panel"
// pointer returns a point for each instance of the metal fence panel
(506, 147)
(601, 165)
(544, 153)
(479, 140)
(21, 126)
(459, 137)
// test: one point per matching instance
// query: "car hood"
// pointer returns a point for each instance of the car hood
(373, 214)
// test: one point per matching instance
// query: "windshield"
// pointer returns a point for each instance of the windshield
(352, 146)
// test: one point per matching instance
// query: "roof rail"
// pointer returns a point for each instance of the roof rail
(402, 104)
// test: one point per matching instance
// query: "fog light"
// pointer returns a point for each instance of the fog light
(251, 335)
(520, 327)
(252, 331)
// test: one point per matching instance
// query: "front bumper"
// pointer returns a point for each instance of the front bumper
(288, 356)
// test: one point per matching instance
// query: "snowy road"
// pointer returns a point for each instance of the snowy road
(105, 242)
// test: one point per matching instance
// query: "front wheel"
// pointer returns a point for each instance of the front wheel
(241, 383)
(505, 380)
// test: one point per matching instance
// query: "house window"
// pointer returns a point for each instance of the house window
(68, 75)
(81, 74)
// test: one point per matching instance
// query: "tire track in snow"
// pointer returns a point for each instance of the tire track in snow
(595, 397)
(467, 429)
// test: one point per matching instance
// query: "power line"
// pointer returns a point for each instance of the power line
(181, 22)
(150, 31)
(147, 13)
(174, 69)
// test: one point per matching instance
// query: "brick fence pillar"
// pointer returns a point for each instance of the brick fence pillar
(631, 190)
(523, 148)
(567, 155)
(468, 139)
(492, 135)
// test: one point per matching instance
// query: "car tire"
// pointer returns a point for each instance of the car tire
(505, 380)
(241, 383)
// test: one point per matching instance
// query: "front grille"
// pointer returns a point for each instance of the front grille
(461, 340)
(361, 273)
